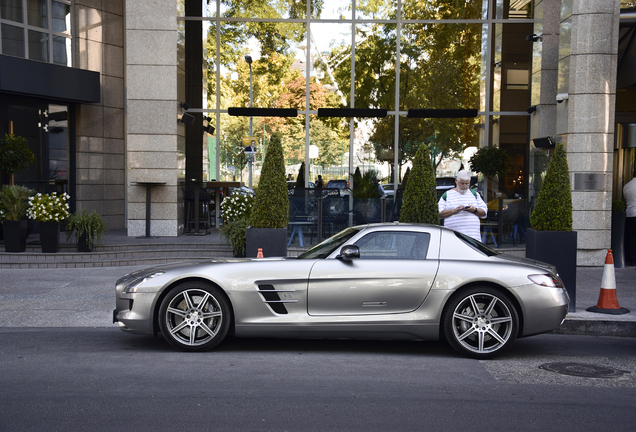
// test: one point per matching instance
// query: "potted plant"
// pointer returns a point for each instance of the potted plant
(419, 204)
(268, 223)
(15, 155)
(14, 203)
(49, 210)
(618, 233)
(237, 209)
(366, 195)
(551, 238)
(88, 228)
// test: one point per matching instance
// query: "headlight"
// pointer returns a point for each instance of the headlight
(546, 280)
(132, 286)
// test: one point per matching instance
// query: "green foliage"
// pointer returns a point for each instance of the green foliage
(271, 205)
(491, 161)
(14, 202)
(48, 207)
(86, 224)
(236, 233)
(439, 68)
(365, 185)
(420, 196)
(15, 154)
(553, 211)
(618, 206)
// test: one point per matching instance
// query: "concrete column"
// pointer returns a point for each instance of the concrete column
(545, 67)
(585, 121)
(99, 46)
(152, 115)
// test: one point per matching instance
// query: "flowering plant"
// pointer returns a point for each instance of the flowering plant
(48, 207)
(237, 209)
(237, 206)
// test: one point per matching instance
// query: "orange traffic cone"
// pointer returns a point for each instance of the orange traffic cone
(260, 253)
(607, 301)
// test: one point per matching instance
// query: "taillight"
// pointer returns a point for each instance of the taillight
(546, 280)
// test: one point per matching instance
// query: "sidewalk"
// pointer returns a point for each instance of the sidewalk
(588, 286)
(84, 297)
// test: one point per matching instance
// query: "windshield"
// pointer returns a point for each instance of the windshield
(324, 249)
(476, 244)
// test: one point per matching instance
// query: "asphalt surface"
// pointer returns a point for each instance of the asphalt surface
(84, 297)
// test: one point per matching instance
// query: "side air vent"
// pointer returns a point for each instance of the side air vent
(271, 296)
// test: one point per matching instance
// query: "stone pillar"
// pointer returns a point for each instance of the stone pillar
(545, 67)
(585, 121)
(152, 115)
(100, 167)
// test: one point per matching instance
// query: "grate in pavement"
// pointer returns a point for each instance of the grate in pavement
(582, 370)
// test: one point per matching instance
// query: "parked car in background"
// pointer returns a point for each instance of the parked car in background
(244, 190)
(389, 188)
(343, 185)
(382, 281)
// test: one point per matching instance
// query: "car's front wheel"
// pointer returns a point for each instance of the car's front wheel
(481, 322)
(194, 316)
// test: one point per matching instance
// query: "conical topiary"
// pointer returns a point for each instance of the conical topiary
(300, 180)
(271, 204)
(553, 211)
(420, 195)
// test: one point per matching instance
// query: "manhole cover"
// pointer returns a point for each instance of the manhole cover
(582, 370)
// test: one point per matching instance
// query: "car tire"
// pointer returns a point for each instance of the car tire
(194, 316)
(480, 322)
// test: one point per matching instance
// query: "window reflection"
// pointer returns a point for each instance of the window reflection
(12, 40)
(38, 46)
(11, 10)
(61, 16)
(53, 18)
(37, 15)
(470, 63)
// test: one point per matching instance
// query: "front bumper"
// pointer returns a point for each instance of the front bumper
(134, 313)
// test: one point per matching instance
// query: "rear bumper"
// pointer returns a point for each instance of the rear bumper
(544, 308)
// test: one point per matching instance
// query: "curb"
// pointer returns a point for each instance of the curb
(584, 327)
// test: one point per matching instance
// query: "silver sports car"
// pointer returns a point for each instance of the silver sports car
(381, 281)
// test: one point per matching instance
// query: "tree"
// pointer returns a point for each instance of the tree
(553, 211)
(15, 155)
(439, 68)
(271, 204)
(420, 196)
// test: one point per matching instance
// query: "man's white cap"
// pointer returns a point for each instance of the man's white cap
(463, 175)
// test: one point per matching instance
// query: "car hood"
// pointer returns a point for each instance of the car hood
(200, 262)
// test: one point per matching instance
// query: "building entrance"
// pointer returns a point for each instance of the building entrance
(45, 126)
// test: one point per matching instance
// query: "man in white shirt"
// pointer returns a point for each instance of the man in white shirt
(461, 207)
(629, 193)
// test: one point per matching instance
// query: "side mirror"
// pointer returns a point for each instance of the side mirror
(349, 252)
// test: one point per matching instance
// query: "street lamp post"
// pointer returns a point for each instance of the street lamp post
(250, 156)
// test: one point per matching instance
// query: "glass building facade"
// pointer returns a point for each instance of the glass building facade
(391, 55)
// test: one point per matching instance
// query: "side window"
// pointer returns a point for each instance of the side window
(394, 245)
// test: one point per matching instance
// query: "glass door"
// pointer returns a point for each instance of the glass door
(46, 129)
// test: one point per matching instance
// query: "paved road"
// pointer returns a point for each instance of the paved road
(93, 379)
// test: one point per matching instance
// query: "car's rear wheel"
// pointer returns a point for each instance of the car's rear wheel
(194, 316)
(481, 322)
